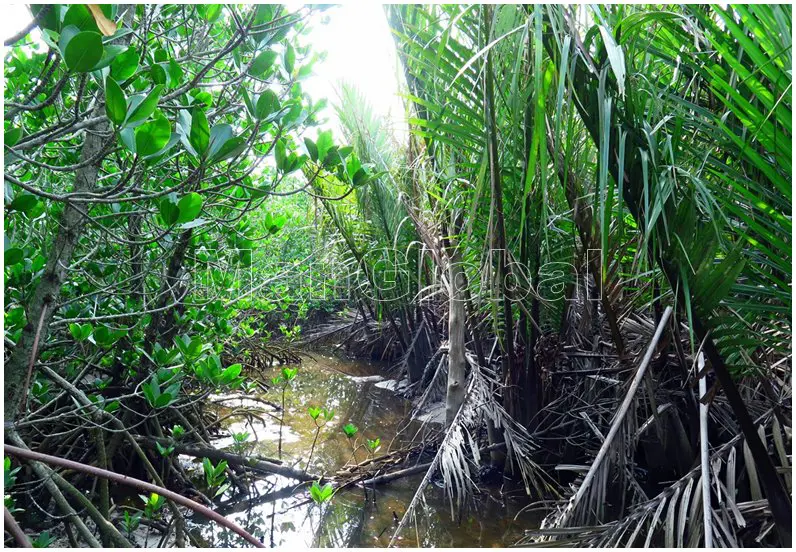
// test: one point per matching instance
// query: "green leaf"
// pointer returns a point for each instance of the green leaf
(324, 144)
(24, 202)
(153, 136)
(79, 16)
(125, 65)
(44, 540)
(200, 132)
(290, 59)
(210, 11)
(81, 332)
(146, 107)
(13, 256)
(83, 51)
(175, 74)
(190, 205)
(275, 224)
(248, 101)
(312, 149)
(163, 400)
(164, 451)
(169, 211)
(202, 96)
(115, 101)
(350, 430)
(52, 18)
(67, 34)
(12, 136)
(262, 63)
(219, 135)
(158, 74)
(280, 155)
(267, 103)
(616, 58)
(105, 337)
(108, 55)
(231, 148)
(231, 373)
(315, 492)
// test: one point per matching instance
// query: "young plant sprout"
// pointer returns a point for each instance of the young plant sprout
(374, 445)
(153, 503)
(286, 378)
(321, 494)
(164, 451)
(239, 441)
(216, 476)
(350, 430)
(316, 414)
(44, 540)
(177, 432)
(131, 522)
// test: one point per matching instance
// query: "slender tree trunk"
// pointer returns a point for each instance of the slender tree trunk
(457, 365)
(59, 258)
(529, 259)
(511, 377)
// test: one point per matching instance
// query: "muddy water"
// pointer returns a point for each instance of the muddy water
(358, 395)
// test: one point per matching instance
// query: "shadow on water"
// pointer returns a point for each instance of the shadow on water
(359, 396)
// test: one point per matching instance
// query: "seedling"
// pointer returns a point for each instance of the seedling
(239, 441)
(164, 451)
(9, 478)
(216, 476)
(288, 375)
(321, 494)
(131, 523)
(152, 505)
(315, 414)
(374, 445)
(177, 432)
(44, 540)
(350, 430)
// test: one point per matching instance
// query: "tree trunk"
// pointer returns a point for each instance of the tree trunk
(55, 273)
(511, 377)
(457, 365)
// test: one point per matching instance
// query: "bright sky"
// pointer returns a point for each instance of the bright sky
(360, 51)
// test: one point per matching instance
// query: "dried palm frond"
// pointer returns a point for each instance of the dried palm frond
(459, 455)
(672, 517)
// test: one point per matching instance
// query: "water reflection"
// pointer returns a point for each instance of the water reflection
(355, 517)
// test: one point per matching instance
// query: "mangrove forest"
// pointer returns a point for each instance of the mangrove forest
(544, 301)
